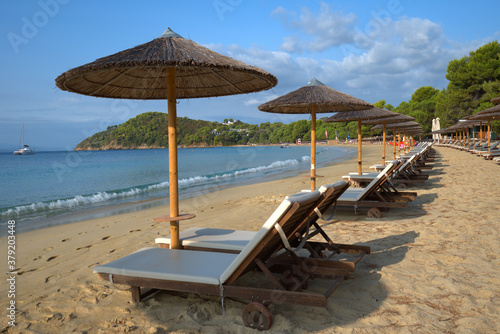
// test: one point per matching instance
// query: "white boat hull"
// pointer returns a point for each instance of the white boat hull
(24, 151)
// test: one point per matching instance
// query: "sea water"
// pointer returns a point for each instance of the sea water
(52, 188)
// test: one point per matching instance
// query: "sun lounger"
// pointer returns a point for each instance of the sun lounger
(367, 177)
(484, 148)
(378, 194)
(233, 241)
(488, 153)
(403, 172)
(491, 155)
(218, 274)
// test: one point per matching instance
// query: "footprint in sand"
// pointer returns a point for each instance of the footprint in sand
(49, 278)
(19, 273)
(112, 251)
(67, 239)
(88, 246)
(105, 238)
(135, 230)
(52, 258)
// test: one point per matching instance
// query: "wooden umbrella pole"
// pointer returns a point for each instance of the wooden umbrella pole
(473, 136)
(480, 134)
(383, 146)
(394, 142)
(489, 137)
(405, 144)
(313, 147)
(172, 157)
(359, 147)
(399, 143)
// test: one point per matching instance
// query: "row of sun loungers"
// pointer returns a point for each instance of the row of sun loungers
(478, 148)
(290, 253)
(383, 188)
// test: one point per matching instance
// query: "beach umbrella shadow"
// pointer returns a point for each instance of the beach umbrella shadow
(364, 293)
(357, 297)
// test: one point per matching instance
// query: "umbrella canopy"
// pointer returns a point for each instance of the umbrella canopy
(401, 125)
(140, 72)
(496, 100)
(313, 98)
(316, 93)
(436, 125)
(398, 118)
(168, 67)
(369, 114)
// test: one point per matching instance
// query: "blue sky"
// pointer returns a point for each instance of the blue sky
(369, 49)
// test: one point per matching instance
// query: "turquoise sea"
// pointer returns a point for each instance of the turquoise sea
(53, 188)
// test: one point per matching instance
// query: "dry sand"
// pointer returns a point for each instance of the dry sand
(433, 268)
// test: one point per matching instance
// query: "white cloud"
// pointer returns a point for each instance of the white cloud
(322, 31)
(389, 61)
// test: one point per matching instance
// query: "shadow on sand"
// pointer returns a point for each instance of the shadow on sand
(355, 298)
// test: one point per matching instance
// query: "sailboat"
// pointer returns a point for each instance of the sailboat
(24, 149)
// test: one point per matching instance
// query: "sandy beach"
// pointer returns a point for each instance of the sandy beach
(433, 267)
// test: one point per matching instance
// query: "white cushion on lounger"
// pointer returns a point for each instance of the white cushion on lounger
(355, 194)
(234, 240)
(196, 266)
(171, 264)
(213, 238)
(352, 194)
(268, 225)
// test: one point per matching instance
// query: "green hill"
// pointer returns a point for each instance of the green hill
(150, 130)
(147, 130)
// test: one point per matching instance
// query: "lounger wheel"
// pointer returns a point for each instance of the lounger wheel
(374, 213)
(256, 315)
(401, 186)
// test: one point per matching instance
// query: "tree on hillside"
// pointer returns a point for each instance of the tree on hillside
(473, 82)
(382, 104)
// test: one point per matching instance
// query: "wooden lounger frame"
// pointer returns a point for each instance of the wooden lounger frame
(287, 273)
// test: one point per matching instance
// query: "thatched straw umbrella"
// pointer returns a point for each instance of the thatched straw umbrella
(314, 98)
(370, 114)
(397, 118)
(169, 67)
(490, 114)
(496, 100)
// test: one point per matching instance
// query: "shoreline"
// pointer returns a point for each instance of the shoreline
(429, 270)
(80, 214)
